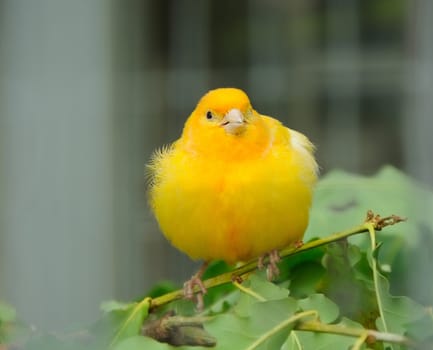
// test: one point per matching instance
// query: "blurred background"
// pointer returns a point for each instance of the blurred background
(89, 88)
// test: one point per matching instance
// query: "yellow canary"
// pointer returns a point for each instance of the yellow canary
(236, 184)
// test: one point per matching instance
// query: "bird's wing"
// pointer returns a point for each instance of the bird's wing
(305, 147)
(295, 140)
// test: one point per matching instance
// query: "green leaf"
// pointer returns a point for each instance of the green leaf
(422, 329)
(340, 198)
(306, 279)
(265, 315)
(327, 309)
(341, 201)
(289, 265)
(231, 331)
(266, 289)
(268, 315)
(398, 312)
(235, 332)
(262, 287)
(343, 283)
(133, 321)
(119, 322)
(251, 319)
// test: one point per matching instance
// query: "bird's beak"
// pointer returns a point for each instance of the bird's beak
(233, 122)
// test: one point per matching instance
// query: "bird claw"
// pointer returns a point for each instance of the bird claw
(298, 244)
(191, 284)
(272, 270)
(237, 279)
(261, 262)
(188, 291)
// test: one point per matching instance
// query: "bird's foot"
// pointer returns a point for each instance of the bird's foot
(272, 270)
(191, 284)
(237, 279)
(298, 244)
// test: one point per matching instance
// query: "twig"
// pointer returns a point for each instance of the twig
(372, 221)
(375, 222)
(379, 223)
(371, 335)
(178, 330)
(248, 291)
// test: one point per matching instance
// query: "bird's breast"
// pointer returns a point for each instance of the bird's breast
(231, 209)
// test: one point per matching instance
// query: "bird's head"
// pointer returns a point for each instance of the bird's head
(227, 109)
(224, 121)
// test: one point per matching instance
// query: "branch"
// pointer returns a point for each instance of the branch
(178, 330)
(372, 221)
(371, 335)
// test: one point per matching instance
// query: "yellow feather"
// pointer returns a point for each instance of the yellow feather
(232, 196)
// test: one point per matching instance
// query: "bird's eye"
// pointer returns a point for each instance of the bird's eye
(209, 115)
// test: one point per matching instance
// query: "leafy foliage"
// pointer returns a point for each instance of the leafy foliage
(337, 296)
(341, 199)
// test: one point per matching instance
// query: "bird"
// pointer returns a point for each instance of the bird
(237, 185)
